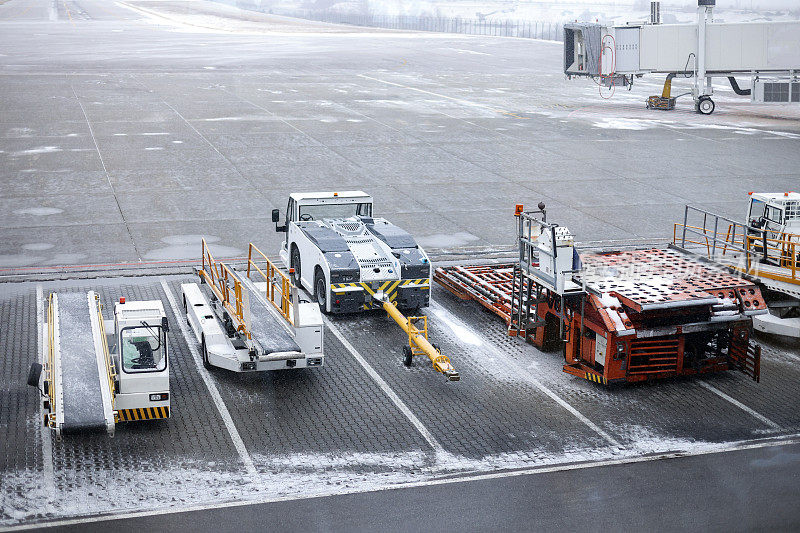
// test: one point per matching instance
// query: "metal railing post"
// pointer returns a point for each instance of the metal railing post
(685, 221)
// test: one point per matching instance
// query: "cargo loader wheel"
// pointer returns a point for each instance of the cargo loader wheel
(321, 291)
(204, 353)
(294, 262)
(408, 355)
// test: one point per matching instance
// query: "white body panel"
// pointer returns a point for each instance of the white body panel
(232, 353)
(730, 47)
(768, 323)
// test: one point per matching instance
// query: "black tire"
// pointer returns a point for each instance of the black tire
(294, 262)
(705, 106)
(408, 356)
(204, 354)
(321, 291)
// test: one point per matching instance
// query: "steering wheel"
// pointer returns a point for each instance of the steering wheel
(145, 359)
(305, 217)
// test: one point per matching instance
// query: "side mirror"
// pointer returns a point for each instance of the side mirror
(276, 215)
(164, 324)
(34, 374)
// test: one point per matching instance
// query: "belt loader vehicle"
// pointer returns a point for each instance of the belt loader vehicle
(251, 320)
(619, 316)
(351, 261)
(86, 386)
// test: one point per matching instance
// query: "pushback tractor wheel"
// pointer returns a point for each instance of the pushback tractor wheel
(408, 355)
(705, 106)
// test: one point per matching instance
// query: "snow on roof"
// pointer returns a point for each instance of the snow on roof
(298, 196)
(781, 196)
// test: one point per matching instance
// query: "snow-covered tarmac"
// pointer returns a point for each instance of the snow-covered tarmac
(128, 131)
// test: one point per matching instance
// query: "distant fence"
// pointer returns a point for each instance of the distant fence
(528, 29)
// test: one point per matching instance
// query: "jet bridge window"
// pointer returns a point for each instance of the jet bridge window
(345, 210)
(143, 349)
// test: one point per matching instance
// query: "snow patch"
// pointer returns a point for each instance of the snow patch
(447, 240)
(188, 246)
(38, 211)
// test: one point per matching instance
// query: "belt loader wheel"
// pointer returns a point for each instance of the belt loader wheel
(204, 353)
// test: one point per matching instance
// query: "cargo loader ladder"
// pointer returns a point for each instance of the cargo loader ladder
(418, 343)
(78, 370)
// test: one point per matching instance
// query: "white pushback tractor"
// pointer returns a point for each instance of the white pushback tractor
(251, 320)
(351, 261)
(344, 256)
(93, 379)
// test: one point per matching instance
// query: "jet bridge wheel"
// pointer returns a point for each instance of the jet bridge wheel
(705, 106)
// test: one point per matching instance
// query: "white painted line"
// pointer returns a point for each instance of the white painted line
(724, 447)
(238, 443)
(438, 95)
(417, 423)
(47, 438)
(740, 405)
(449, 317)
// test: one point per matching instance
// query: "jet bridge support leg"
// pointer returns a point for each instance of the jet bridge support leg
(418, 340)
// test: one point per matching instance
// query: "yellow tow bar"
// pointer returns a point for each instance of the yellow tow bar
(418, 340)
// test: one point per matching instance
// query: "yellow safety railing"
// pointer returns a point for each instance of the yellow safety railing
(50, 364)
(279, 286)
(783, 251)
(226, 288)
(110, 370)
(780, 251)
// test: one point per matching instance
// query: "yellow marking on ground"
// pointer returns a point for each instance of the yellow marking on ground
(18, 14)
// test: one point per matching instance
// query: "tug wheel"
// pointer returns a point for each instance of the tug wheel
(408, 356)
(321, 291)
(295, 264)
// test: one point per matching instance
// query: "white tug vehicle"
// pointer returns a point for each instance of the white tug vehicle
(349, 260)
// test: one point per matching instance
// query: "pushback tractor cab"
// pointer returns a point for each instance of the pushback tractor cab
(98, 372)
(774, 213)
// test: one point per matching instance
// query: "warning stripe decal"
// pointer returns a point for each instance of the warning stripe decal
(595, 378)
(144, 413)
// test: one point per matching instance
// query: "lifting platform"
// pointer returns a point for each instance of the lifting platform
(85, 387)
(619, 316)
(251, 320)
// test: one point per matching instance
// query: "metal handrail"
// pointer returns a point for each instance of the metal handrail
(282, 297)
(225, 286)
(48, 375)
(110, 371)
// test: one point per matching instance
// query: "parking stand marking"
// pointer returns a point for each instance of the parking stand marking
(426, 434)
(238, 443)
(740, 405)
(47, 442)
(438, 309)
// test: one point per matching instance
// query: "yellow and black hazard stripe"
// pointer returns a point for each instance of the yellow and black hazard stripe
(145, 413)
(596, 378)
(387, 287)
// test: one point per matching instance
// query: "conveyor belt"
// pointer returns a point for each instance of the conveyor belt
(85, 395)
(266, 328)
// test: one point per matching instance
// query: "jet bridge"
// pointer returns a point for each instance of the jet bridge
(766, 52)
(79, 374)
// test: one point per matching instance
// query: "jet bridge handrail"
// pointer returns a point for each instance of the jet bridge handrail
(226, 287)
(281, 297)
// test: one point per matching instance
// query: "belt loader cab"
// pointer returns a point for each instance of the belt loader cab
(141, 359)
(348, 259)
